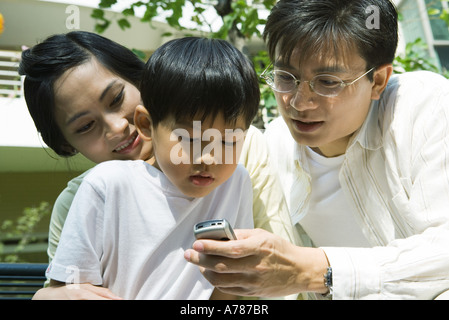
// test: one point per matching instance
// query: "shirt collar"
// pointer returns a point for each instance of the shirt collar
(369, 135)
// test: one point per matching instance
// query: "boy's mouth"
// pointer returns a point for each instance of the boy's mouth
(202, 179)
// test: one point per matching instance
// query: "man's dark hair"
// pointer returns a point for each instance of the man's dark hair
(331, 27)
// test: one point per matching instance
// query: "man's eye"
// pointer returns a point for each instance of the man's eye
(283, 78)
(328, 82)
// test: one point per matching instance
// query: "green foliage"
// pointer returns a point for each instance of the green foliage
(436, 10)
(242, 15)
(102, 23)
(21, 231)
(414, 58)
(267, 99)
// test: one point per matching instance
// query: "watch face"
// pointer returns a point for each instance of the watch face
(328, 279)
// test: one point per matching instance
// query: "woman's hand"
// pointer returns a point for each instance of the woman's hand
(259, 264)
(84, 291)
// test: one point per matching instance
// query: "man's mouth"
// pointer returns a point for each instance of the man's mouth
(307, 126)
(129, 144)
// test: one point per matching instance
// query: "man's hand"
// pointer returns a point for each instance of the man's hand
(260, 264)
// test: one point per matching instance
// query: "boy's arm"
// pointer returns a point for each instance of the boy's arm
(85, 291)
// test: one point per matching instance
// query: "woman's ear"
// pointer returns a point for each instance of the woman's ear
(68, 150)
(143, 123)
(380, 80)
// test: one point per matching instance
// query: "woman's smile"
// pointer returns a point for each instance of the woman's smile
(128, 145)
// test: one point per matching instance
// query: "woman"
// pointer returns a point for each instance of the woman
(81, 90)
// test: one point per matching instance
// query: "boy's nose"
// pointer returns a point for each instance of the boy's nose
(206, 158)
(209, 153)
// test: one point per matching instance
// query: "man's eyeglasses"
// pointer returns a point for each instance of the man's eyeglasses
(323, 84)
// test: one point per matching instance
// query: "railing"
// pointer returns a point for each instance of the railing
(19, 281)
(10, 80)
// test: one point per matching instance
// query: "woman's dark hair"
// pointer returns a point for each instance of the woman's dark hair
(198, 76)
(44, 63)
(333, 26)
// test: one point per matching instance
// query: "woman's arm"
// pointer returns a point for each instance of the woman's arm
(84, 291)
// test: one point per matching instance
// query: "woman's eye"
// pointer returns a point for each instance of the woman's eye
(119, 97)
(85, 128)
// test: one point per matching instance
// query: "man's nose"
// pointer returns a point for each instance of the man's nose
(302, 98)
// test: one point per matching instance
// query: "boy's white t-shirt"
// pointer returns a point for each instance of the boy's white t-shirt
(128, 228)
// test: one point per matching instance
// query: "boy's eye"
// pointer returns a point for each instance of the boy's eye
(229, 143)
(184, 139)
(193, 140)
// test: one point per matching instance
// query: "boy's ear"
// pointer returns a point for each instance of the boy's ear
(143, 123)
(381, 76)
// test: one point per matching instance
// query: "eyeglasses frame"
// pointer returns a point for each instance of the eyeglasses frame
(343, 84)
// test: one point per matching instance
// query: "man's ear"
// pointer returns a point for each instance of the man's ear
(143, 123)
(380, 80)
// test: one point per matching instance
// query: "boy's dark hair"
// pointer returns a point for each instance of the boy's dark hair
(331, 27)
(44, 63)
(194, 76)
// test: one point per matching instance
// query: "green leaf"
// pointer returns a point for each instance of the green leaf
(107, 3)
(139, 53)
(128, 12)
(445, 16)
(97, 14)
(101, 27)
(150, 13)
(123, 24)
(433, 11)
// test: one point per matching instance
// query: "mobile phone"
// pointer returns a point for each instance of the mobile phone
(218, 229)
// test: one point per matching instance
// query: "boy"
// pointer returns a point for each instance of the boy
(130, 222)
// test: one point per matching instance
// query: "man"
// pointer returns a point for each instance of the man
(363, 157)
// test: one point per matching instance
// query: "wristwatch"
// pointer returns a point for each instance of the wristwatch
(328, 282)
